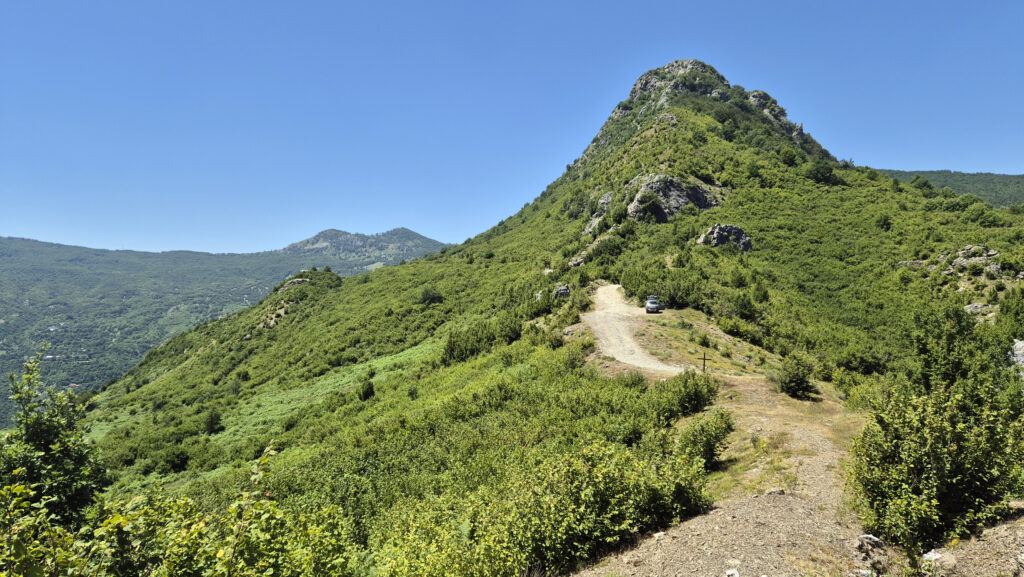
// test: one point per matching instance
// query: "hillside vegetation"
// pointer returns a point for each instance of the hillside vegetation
(996, 189)
(435, 418)
(101, 310)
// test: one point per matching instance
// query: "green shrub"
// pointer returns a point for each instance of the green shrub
(366, 391)
(47, 450)
(683, 394)
(935, 466)
(429, 295)
(705, 437)
(795, 377)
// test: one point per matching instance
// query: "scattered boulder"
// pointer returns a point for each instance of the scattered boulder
(971, 255)
(912, 263)
(561, 292)
(977, 308)
(775, 491)
(293, 282)
(938, 564)
(662, 196)
(720, 234)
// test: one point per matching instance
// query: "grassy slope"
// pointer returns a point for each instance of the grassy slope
(100, 310)
(435, 436)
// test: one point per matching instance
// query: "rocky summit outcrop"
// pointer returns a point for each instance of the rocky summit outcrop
(293, 282)
(720, 234)
(659, 196)
(679, 76)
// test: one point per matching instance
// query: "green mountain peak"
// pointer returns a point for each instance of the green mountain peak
(459, 415)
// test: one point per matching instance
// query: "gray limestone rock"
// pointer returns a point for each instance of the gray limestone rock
(662, 196)
(977, 308)
(1017, 356)
(720, 234)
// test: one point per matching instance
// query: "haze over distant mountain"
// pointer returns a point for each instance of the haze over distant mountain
(101, 310)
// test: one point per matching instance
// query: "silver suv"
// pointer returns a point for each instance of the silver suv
(653, 305)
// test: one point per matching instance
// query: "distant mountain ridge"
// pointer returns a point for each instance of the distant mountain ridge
(397, 241)
(996, 189)
(101, 310)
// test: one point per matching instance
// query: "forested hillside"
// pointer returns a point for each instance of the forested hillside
(996, 189)
(101, 310)
(447, 417)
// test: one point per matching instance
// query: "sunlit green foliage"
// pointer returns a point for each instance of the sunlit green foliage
(944, 447)
(442, 414)
(101, 310)
(47, 451)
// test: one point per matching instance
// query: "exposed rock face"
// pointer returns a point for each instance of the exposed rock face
(602, 207)
(977, 308)
(768, 106)
(1017, 356)
(667, 78)
(662, 196)
(720, 234)
(970, 255)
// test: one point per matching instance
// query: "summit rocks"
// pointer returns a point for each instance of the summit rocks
(679, 76)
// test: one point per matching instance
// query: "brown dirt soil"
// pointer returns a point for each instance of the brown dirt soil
(779, 506)
(613, 322)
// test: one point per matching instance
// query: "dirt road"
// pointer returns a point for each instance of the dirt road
(779, 507)
(780, 443)
(613, 321)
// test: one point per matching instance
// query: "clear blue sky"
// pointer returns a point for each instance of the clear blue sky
(247, 125)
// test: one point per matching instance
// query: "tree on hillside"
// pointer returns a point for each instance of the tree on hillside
(47, 450)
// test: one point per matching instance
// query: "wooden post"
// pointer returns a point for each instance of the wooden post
(704, 364)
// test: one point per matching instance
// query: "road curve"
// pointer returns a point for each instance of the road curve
(613, 321)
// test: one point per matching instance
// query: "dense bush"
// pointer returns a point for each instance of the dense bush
(942, 449)
(794, 378)
(47, 451)
(936, 466)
